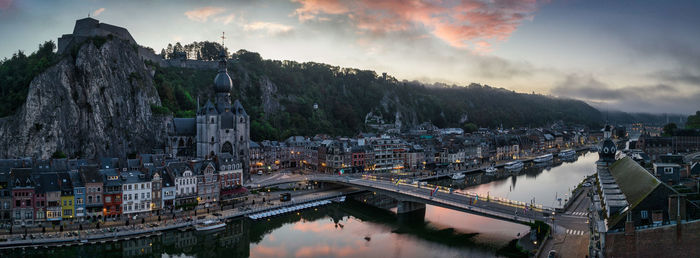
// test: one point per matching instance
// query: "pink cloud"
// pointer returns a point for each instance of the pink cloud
(226, 19)
(203, 14)
(469, 24)
(98, 12)
(4, 4)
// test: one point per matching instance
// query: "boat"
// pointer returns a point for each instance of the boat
(209, 224)
(514, 165)
(567, 153)
(457, 176)
(490, 170)
(543, 158)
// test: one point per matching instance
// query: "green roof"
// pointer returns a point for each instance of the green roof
(634, 181)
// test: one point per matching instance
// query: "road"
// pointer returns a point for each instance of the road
(571, 233)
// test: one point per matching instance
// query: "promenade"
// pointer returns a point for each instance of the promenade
(151, 226)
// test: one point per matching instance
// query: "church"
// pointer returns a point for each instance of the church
(219, 127)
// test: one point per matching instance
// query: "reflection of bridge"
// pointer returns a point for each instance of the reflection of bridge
(414, 196)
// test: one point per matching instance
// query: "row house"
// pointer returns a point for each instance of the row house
(185, 184)
(92, 178)
(415, 158)
(296, 145)
(207, 183)
(67, 196)
(22, 196)
(112, 192)
(51, 191)
(156, 190)
(256, 157)
(168, 191)
(230, 176)
(136, 193)
(507, 147)
(310, 160)
(79, 194)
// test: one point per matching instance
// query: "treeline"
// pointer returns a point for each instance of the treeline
(345, 96)
(17, 72)
(205, 50)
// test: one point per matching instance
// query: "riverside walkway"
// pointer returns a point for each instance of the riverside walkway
(93, 236)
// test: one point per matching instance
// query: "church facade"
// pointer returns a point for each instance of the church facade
(219, 127)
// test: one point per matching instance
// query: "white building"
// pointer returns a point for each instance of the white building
(136, 193)
(185, 183)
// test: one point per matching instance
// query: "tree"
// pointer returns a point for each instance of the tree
(669, 129)
(693, 121)
(58, 155)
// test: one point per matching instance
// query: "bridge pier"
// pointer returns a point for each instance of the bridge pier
(410, 212)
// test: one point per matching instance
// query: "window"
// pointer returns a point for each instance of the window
(143, 196)
(668, 170)
(644, 214)
(29, 202)
(89, 199)
(107, 198)
(18, 203)
(97, 198)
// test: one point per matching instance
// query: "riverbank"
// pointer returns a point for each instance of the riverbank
(94, 236)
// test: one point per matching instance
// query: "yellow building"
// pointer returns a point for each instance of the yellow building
(67, 205)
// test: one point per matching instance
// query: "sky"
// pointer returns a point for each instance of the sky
(634, 56)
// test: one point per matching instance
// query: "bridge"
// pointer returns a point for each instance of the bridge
(413, 196)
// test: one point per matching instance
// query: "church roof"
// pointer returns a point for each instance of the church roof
(208, 109)
(238, 108)
(184, 126)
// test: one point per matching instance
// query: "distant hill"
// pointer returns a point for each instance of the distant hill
(280, 97)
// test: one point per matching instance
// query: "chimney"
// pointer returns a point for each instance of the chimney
(629, 225)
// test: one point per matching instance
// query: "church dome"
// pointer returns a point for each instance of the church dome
(222, 82)
(607, 150)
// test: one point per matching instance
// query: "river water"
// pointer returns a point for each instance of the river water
(547, 184)
(352, 229)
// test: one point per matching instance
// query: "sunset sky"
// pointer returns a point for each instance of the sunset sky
(636, 56)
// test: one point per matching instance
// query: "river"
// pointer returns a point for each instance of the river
(543, 184)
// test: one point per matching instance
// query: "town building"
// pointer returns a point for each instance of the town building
(93, 191)
(219, 127)
(112, 193)
(136, 193)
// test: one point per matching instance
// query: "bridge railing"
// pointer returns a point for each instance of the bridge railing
(473, 195)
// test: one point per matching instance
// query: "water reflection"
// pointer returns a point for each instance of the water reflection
(542, 183)
(337, 230)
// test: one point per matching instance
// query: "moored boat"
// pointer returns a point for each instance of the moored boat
(514, 165)
(457, 176)
(490, 170)
(209, 224)
(567, 153)
(543, 158)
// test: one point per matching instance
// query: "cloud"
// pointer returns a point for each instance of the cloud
(653, 98)
(98, 12)
(4, 4)
(203, 14)
(464, 24)
(268, 27)
(225, 19)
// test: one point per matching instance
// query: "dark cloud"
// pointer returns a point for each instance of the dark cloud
(655, 98)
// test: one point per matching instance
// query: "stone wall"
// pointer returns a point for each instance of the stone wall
(666, 241)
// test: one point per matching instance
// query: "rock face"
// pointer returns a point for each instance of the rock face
(95, 102)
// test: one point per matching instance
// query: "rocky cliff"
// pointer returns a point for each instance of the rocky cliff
(96, 101)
